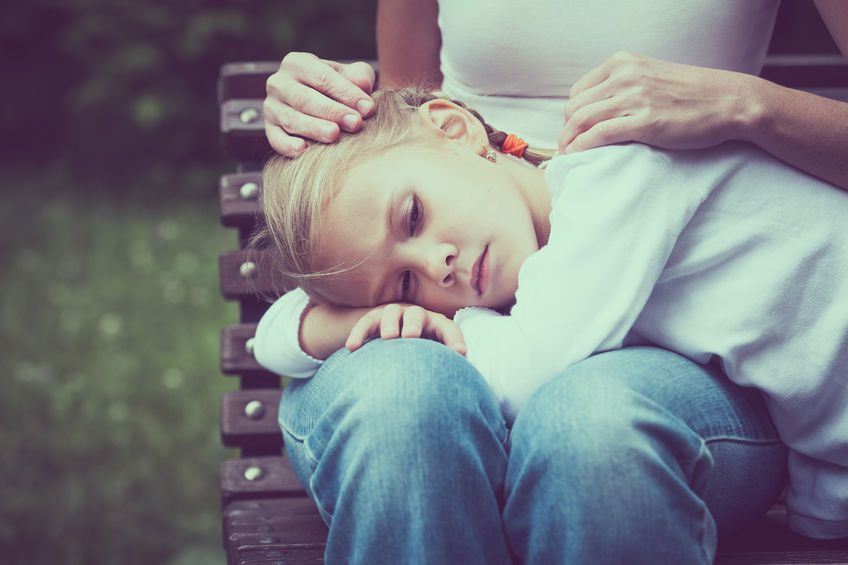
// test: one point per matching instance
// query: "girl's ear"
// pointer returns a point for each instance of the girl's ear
(449, 120)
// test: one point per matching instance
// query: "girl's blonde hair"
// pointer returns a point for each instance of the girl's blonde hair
(296, 191)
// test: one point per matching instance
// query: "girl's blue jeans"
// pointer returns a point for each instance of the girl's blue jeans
(632, 456)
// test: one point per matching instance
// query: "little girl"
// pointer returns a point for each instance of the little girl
(721, 253)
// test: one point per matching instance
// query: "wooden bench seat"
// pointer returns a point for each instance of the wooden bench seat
(267, 517)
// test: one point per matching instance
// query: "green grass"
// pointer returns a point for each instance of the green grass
(109, 354)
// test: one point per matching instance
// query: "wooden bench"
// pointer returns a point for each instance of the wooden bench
(267, 518)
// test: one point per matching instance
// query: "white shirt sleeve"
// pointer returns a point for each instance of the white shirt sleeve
(277, 346)
(617, 213)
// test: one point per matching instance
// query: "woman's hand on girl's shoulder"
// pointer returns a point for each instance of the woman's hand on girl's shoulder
(313, 98)
(390, 321)
(631, 97)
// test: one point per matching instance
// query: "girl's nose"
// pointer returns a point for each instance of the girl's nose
(440, 265)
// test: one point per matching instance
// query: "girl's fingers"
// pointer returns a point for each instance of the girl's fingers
(414, 319)
(390, 322)
(586, 118)
(362, 330)
(446, 331)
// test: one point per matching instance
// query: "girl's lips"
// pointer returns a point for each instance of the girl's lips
(480, 272)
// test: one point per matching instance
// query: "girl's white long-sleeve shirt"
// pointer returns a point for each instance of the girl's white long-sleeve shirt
(723, 252)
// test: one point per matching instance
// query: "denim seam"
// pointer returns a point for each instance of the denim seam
(306, 450)
(746, 441)
(321, 508)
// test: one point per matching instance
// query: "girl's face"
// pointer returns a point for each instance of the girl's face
(442, 228)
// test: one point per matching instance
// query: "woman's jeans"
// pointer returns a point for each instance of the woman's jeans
(632, 456)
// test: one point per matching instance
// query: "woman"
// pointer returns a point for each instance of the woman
(695, 455)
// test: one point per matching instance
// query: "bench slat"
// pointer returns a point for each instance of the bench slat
(236, 351)
(279, 555)
(244, 80)
(270, 530)
(272, 477)
(249, 418)
(243, 273)
(238, 196)
(244, 129)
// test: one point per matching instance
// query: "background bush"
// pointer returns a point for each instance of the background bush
(121, 91)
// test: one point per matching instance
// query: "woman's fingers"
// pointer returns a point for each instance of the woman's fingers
(607, 132)
(361, 74)
(321, 97)
(596, 93)
(324, 79)
(282, 123)
(595, 76)
(586, 118)
(283, 143)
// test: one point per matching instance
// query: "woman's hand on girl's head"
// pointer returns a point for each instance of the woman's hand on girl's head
(630, 97)
(313, 98)
(406, 320)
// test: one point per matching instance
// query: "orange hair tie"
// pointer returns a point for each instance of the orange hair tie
(514, 145)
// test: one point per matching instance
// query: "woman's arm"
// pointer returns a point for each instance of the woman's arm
(408, 42)
(635, 98)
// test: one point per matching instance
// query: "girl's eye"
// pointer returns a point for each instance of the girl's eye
(414, 216)
(405, 283)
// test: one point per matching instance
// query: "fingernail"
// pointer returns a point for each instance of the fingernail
(364, 106)
(349, 122)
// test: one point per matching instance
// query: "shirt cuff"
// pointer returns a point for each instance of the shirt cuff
(277, 345)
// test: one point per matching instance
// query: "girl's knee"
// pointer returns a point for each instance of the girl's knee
(397, 386)
(597, 424)
(577, 413)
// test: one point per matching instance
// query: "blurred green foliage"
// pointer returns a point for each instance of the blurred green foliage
(122, 93)
(109, 356)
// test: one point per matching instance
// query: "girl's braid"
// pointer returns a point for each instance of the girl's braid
(496, 136)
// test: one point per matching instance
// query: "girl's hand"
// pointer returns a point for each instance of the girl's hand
(630, 97)
(406, 320)
(312, 98)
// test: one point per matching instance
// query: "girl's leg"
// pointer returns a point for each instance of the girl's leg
(638, 456)
(402, 447)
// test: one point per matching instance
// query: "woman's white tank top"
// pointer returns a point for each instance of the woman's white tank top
(515, 62)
